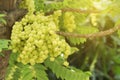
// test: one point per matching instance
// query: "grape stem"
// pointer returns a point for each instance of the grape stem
(92, 35)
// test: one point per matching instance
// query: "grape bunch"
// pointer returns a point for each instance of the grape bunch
(69, 22)
(28, 4)
(35, 39)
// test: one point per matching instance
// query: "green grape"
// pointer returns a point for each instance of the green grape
(65, 63)
(69, 25)
(32, 61)
(35, 39)
(28, 4)
(52, 59)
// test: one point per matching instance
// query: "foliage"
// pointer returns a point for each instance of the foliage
(23, 44)
(19, 71)
(34, 44)
(81, 23)
(3, 45)
(2, 19)
(64, 73)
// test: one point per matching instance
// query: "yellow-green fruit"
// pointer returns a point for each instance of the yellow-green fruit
(36, 40)
(66, 63)
(69, 25)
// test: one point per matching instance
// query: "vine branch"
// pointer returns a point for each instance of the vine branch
(92, 35)
(79, 10)
(74, 10)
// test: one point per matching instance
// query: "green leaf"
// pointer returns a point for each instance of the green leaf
(117, 59)
(2, 15)
(40, 72)
(10, 72)
(26, 73)
(66, 73)
(116, 69)
(17, 74)
(39, 5)
(4, 43)
(13, 58)
(3, 21)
